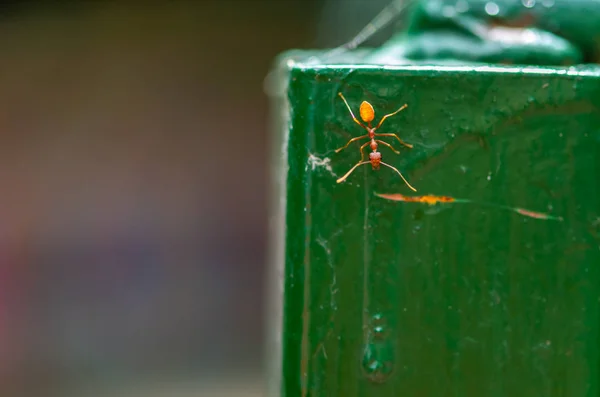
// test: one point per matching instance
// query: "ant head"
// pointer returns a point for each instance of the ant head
(367, 113)
(375, 156)
(375, 159)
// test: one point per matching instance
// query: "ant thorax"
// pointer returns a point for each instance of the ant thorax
(373, 145)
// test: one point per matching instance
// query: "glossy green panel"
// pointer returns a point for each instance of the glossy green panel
(386, 298)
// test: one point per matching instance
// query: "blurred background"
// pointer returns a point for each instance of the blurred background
(133, 190)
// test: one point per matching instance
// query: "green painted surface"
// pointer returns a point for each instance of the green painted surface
(541, 32)
(386, 298)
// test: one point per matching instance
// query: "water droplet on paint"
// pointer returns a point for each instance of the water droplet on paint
(528, 3)
(417, 228)
(378, 354)
(377, 363)
(492, 8)
(548, 3)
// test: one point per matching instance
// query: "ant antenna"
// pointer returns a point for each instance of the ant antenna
(342, 179)
(401, 176)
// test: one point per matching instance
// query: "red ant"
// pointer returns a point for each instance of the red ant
(367, 114)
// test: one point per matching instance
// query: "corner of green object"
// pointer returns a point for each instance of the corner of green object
(483, 132)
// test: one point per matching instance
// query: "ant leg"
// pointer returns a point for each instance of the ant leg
(391, 114)
(401, 176)
(362, 154)
(408, 145)
(352, 114)
(342, 179)
(388, 145)
(350, 141)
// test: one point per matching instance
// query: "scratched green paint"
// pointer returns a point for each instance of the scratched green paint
(387, 299)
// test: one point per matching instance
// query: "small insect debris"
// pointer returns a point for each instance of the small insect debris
(434, 200)
(367, 114)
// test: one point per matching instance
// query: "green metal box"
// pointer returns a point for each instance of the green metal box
(375, 297)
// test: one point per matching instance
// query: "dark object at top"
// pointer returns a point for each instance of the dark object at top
(538, 32)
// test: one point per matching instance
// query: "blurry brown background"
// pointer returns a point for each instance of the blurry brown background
(133, 190)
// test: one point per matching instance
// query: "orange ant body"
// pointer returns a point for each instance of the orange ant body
(367, 114)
